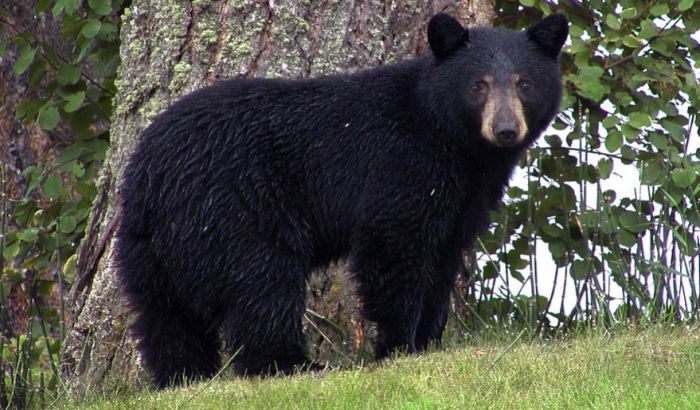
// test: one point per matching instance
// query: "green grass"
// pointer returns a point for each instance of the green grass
(632, 370)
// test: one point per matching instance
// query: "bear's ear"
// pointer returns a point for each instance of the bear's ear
(550, 34)
(445, 35)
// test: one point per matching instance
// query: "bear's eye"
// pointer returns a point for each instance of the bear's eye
(524, 86)
(479, 87)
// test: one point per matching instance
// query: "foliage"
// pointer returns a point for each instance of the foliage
(69, 91)
(626, 245)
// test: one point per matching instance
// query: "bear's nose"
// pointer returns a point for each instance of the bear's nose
(506, 134)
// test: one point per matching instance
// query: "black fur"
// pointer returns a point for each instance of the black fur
(445, 35)
(239, 190)
(550, 33)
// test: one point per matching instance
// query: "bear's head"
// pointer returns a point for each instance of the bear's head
(505, 84)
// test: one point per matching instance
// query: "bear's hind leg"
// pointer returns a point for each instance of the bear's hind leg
(175, 346)
(262, 328)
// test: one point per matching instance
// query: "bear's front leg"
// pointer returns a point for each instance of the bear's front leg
(391, 285)
(434, 316)
(436, 301)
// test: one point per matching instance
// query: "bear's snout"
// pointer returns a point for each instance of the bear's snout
(506, 133)
(503, 119)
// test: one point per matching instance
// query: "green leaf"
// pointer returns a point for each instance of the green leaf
(589, 83)
(581, 53)
(553, 140)
(51, 187)
(631, 41)
(594, 91)
(26, 110)
(37, 74)
(42, 6)
(628, 13)
(591, 72)
(626, 238)
(73, 168)
(557, 249)
(490, 271)
(580, 270)
(74, 101)
(28, 235)
(658, 141)
(639, 120)
(85, 47)
(48, 118)
(68, 74)
(610, 121)
(631, 134)
(69, 266)
(108, 29)
(605, 167)
(544, 7)
(683, 177)
(575, 31)
(633, 221)
(648, 30)
(677, 131)
(517, 275)
(70, 6)
(629, 154)
(528, 3)
(67, 224)
(612, 21)
(11, 250)
(671, 195)
(91, 28)
(613, 141)
(82, 120)
(26, 56)
(70, 153)
(659, 9)
(685, 5)
(515, 260)
(550, 230)
(102, 7)
(57, 8)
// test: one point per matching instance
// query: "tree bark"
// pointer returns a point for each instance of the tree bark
(169, 48)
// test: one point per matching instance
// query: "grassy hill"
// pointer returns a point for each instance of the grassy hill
(632, 370)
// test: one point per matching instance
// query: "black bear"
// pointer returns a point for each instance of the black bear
(239, 190)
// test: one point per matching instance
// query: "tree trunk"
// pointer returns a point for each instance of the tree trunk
(169, 48)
